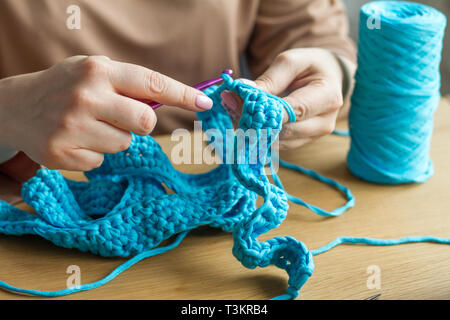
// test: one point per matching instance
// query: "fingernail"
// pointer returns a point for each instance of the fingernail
(228, 100)
(203, 102)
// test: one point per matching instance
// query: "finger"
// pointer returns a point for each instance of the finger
(232, 104)
(314, 127)
(248, 82)
(81, 160)
(314, 99)
(294, 144)
(281, 73)
(126, 114)
(232, 99)
(141, 83)
(101, 137)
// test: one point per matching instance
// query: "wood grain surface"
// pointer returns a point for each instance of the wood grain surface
(203, 267)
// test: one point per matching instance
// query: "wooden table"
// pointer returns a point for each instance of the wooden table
(203, 267)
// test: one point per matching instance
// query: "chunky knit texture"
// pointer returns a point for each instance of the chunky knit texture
(124, 209)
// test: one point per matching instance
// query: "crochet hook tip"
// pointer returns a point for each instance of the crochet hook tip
(228, 72)
(199, 86)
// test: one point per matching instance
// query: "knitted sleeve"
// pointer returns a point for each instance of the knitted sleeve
(285, 24)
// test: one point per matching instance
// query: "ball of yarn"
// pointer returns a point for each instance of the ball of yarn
(396, 92)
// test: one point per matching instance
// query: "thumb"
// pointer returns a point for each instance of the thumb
(266, 83)
(277, 78)
(233, 103)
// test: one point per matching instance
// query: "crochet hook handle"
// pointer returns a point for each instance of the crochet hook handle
(200, 86)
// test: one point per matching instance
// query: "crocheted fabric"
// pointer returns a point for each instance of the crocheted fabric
(124, 209)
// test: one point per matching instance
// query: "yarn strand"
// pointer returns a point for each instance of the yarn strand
(89, 286)
(371, 242)
(378, 242)
(333, 183)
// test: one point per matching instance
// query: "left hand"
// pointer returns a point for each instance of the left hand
(312, 78)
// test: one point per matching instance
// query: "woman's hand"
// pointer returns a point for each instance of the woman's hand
(313, 80)
(68, 116)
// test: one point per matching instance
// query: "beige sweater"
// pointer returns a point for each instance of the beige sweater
(189, 40)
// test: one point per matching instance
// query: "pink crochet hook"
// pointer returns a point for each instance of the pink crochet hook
(200, 86)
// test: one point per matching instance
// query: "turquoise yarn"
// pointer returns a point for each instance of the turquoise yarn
(321, 212)
(124, 210)
(396, 92)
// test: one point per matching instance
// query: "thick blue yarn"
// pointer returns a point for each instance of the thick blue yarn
(136, 213)
(396, 92)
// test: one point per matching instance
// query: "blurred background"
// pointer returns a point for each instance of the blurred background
(353, 7)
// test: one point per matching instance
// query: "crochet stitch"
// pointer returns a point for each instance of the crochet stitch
(136, 213)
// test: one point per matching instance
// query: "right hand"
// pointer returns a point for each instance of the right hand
(68, 116)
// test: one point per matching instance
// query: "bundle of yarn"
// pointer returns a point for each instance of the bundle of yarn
(396, 92)
(124, 209)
